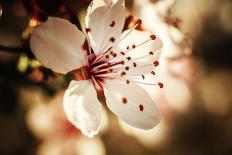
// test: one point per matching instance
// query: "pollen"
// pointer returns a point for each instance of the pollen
(151, 53)
(112, 24)
(141, 107)
(161, 85)
(143, 77)
(134, 64)
(127, 81)
(110, 70)
(112, 39)
(153, 37)
(123, 53)
(139, 22)
(133, 46)
(124, 100)
(128, 58)
(152, 72)
(156, 63)
(127, 68)
(123, 73)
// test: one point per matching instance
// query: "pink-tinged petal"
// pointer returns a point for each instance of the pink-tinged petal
(104, 23)
(57, 44)
(82, 107)
(132, 104)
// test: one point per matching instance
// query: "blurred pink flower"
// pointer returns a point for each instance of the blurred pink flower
(104, 60)
(56, 134)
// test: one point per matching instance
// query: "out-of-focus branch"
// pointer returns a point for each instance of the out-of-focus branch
(12, 49)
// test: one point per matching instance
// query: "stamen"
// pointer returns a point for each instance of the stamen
(123, 53)
(107, 56)
(156, 63)
(138, 23)
(153, 37)
(123, 73)
(114, 54)
(133, 79)
(124, 100)
(112, 23)
(112, 39)
(135, 46)
(134, 64)
(127, 68)
(161, 85)
(143, 77)
(141, 57)
(141, 107)
(100, 56)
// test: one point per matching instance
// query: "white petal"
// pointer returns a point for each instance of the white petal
(82, 107)
(105, 20)
(139, 110)
(57, 44)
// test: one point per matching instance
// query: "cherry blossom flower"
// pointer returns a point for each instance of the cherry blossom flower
(102, 59)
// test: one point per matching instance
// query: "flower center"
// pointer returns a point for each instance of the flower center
(110, 64)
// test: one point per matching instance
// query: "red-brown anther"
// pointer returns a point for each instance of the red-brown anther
(127, 68)
(156, 63)
(141, 107)
(107, 57)
(143, 77)
(124, 100)
(134, 64)
(112, 39)
(127, 81)
(110, 70)
(128, 58)
(112, 24)
(139, 22)
(127, 47)
(87, 30)
(152, 72)
(123, 73)
(153, 37)
(133, 46)
(151, 53)
(123, 62)
(161, 85)
(114, 55)
(123, 53)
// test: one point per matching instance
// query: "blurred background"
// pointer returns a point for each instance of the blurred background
(195, 67)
